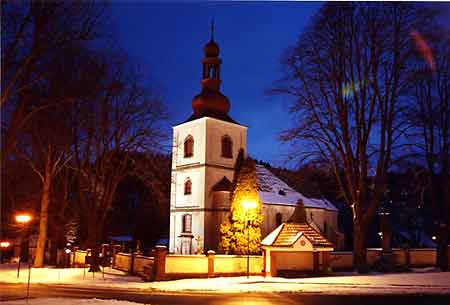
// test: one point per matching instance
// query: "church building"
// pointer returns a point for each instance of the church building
(205, 148)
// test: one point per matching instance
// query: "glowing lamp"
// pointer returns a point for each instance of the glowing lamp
(23, 218)
(380, 234)
(5, 244)
(67, 251)
(249, 204)
(434, 237)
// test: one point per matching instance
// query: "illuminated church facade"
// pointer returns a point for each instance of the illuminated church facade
(204, 152)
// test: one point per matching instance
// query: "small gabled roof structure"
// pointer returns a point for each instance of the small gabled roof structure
(224, 185)
(290, 233)
(297, 234)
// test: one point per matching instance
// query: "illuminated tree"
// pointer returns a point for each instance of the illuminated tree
(241, 232)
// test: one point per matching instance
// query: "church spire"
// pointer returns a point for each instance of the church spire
(211, 64)
(211, 102)
(212, 29)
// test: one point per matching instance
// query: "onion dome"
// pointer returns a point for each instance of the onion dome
(210, 102)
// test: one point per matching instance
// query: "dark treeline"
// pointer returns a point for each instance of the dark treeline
(77, 120)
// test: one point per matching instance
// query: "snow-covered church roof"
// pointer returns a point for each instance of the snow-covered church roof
(273, 190)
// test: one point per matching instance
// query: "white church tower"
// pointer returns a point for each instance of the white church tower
(205, 148)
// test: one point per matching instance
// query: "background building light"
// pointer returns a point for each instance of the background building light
(4, 244)
(23, 218)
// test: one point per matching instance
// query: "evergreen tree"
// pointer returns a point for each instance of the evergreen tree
(241, 232)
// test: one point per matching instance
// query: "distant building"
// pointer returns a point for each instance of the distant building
(205, 148)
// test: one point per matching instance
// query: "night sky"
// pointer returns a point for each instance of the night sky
(168, 39)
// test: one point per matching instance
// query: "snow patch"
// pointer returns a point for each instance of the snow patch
(273, 190)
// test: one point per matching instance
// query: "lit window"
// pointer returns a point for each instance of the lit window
(188, 187)
(189, 147)
(187, 223)
(227, 147)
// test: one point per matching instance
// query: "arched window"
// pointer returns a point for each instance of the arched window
(187, 223)
(188, 187)
(325, 228)
(227, 147)
(189, 147)
(278, 219)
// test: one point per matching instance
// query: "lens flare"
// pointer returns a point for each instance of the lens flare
(424, 49)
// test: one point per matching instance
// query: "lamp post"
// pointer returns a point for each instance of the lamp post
(22, 219)
(248, 205)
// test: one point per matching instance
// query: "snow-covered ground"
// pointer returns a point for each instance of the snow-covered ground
(426, 281)
(69, 301)
(411, 283)
(70, 276)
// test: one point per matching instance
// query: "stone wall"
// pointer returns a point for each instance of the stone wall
(167, 267)
(417, 258)
(77, 257)
(122, 261)
(229, 264)
(186, 264)
(132, 263)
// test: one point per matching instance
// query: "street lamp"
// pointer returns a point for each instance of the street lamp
(23, 219)
(248, 205)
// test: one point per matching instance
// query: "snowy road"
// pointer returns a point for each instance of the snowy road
(13, 294)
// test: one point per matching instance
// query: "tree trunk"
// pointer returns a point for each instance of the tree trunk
(43, 220)
(444, 223)
(442, 252)
(93, 232)
(359, 249)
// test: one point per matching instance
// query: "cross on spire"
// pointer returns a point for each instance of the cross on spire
(212, 29)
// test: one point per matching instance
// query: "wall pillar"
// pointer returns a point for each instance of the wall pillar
(115, 250)
(267, 262)
(316, 268)
(211, 255)
(407, 258)
(326, 257)
(159, 265)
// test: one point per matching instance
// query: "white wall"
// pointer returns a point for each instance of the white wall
(205, 168)
(215, 130)
(197, 129)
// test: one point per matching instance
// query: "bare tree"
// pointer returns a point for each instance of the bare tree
(122, 119)
(46, 157)
(347, 73)
(429, 113)
(32, 32)
(45, 139)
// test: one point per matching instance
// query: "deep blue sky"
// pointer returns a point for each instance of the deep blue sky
(168, 39)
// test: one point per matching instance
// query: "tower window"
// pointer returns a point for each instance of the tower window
(227, 147)
(325, 228)
(187, 223)
(188, 187)
(189, 147)
(278, 219)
